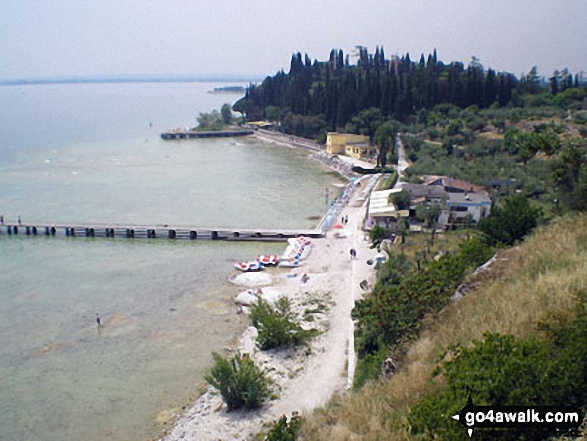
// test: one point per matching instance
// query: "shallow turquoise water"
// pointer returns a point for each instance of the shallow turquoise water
(164, 305)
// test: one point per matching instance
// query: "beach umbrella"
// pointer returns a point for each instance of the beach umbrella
(338, 226)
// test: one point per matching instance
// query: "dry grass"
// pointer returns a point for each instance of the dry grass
(525, 286)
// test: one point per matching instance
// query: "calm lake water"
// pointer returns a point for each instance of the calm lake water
(92, 152)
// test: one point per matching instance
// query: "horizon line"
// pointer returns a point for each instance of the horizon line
(133, 78)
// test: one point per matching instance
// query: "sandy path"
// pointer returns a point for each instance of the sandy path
(325, 373)
(305, 381)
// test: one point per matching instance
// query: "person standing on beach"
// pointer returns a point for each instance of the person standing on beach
(98, 320)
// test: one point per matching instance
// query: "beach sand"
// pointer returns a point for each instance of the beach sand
(303, 379)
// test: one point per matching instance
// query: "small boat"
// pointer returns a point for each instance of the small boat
(249, 266)
(290, 264)
(265, 259)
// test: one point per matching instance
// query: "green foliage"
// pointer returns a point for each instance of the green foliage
(366, 122)
(385, 140)
(454, 128)
(322, 137)
(272, 113)
(390, 182)
(226, 113)
(210, 121)
(377, 234)
(402, 297)
(276, 325)
(475, 251)
(302, 125)
(428, 214)
(284, 430)
(510, 222)
(447, 146)
(392, 271)
(545, 141)
(401, 199)
(505, 371)
(580, 117)
(369, 367)
(570, 175)
(573, 94)
(510, 143)
(240, 382)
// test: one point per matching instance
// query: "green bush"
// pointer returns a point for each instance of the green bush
(510, 222)
(276, 325)
(240, 382)
(475, 251)
(369, 367)
(377, 234)
(284, 430)
(390, 182)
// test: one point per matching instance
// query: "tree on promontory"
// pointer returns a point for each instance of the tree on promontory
(226, 113)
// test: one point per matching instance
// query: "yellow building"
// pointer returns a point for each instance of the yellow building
(356, 146)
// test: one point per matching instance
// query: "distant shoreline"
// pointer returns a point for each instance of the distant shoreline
(229, 90)
(132, 79)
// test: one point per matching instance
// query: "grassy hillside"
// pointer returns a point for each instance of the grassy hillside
(527, 288)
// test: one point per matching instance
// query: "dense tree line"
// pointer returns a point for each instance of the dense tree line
(317, 96)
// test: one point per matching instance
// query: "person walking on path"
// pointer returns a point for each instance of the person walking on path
(353, 253)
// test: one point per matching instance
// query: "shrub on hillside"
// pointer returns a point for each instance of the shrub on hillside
(369, 368)
(377, 234)
(506, 371)
(511, 221)
(276, 325)
(240, 382)
(284, 430)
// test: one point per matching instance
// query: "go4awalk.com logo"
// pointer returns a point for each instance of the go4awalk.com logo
(520, 417)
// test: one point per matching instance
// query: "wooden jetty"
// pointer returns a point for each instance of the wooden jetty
(190, 134)
(153, 232)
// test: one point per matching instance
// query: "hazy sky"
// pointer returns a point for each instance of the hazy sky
(49, 38)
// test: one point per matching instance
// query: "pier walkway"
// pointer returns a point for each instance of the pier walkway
(153, 232)
(191, 134)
